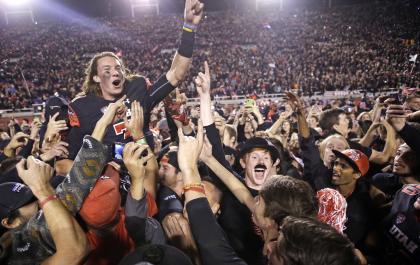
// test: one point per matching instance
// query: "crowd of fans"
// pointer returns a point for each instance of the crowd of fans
(361, 47)
(127, 173)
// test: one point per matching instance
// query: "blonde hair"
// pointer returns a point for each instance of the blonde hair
(362, 114)
(89, 85)
(324, 142)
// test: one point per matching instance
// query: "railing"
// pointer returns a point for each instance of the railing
(37, 109)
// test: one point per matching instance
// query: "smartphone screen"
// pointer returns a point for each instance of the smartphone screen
(118, 150)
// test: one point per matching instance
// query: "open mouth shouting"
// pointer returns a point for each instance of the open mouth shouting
(260, 172)
(117, 83)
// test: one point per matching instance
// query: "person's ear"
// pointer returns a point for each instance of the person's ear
(276, 163)
(96, 79)
(357, 175)
(242, 162)
(178, 175)
(15, 223)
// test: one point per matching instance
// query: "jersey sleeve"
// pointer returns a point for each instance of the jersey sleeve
(157, 92)
(76, 132)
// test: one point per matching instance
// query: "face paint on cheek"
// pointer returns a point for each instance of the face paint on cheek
(107, 76)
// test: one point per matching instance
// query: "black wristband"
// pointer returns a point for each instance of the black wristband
(187, 44)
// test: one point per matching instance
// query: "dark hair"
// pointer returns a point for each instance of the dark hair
(412, 96)
(286, 167)
(329, 118)
(310, 242)
(13, 215)
(411, 156)
(411, 159)
(315, 117)
(284, 196)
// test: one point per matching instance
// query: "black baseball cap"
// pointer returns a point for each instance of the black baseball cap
(171, 158)
(229, 150)
(258, 142)
(14, 195)
(156, 254)
(53, 105)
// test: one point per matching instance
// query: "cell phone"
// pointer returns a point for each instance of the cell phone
(396, 97)
(249, 103)
(118, 151)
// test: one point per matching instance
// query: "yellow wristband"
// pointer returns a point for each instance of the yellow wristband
(187, 29)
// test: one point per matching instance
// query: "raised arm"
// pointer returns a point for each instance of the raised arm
(70, 240)
(18, 140)
(311, 157)
(136, 160)
(233, 183)
(389, 148)
(397, 117)
(140, 226)
(298, 107)
(209, 236)
(89, 162)
(368, 138)
(182, 60)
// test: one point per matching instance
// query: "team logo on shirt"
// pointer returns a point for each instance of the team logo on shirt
(119, 128)
(17, 187)
(103, 109)
(73, 119)
(400, 218)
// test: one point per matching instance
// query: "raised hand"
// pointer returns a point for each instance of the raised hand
(35, 127)
(136, 123)
(220, 124)
(178, 232)
(54, 148)
(206, 152)
(202, 81)
(190, 149)
(36, 174)
(295, 102)
(55, 126)
(193, 11)
(18, 140)
(396, 115)
(114, 112)
(134, 161)
(180, 98)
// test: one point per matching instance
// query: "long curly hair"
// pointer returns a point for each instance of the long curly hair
(89, 85)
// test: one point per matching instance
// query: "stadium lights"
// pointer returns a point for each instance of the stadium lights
(259, 3)
(16, 3)
(143, 5)
(17, 9)
(140, 1)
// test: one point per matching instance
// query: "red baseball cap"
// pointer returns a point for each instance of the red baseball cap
(102, 205)
(357, 159)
